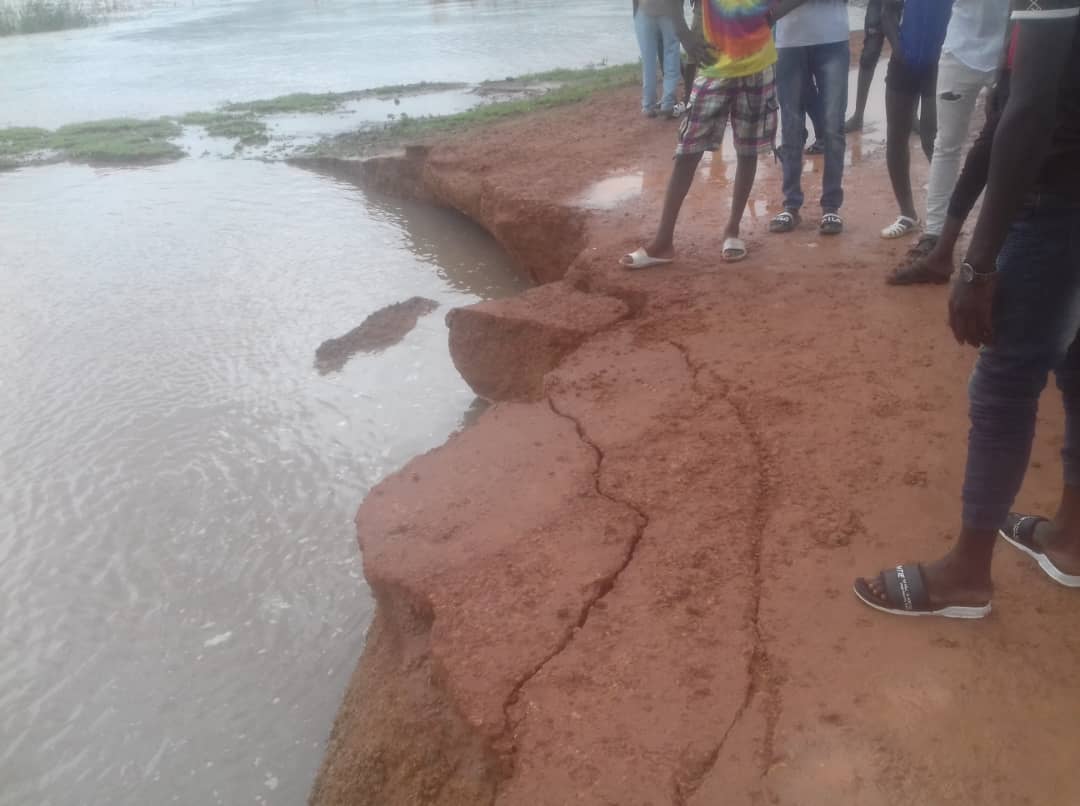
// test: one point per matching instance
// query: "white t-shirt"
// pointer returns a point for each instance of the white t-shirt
(976, 35)
(815, 22)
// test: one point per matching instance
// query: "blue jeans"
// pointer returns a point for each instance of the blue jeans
(828, 66)
(1036, 320)
(651, 32)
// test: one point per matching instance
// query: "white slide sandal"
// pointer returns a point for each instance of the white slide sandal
(640, 259)
(734, 250)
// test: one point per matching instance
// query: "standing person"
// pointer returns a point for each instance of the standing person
(969, 63)
(915, 30)
(1018, 298)
(657, 40)
(812, 46)
(873, 42)
(739, 84)
(690, 68)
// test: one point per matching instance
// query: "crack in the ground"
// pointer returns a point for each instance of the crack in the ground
(603, 588)
(759, 678)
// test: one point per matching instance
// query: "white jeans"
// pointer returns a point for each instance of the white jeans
(958, 87)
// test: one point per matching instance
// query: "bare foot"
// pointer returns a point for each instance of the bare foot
(853, 124)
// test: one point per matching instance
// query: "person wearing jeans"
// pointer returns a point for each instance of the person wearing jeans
(1018, 299)
(969, 64)
(659, 43)
(812, 46)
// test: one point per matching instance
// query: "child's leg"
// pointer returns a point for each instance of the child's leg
(928, 119)
(745, 171)
(899, 104)
(682, 177)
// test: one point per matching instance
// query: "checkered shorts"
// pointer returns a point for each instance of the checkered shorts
(750, 102)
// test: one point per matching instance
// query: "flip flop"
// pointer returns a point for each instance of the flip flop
(640, 259)
(784, 221)
(903, 225)
(905, 595)
(734, 250)
(1019, 531)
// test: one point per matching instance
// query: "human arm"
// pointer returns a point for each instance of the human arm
(1020, 144)
(891, 11)
(695, 48)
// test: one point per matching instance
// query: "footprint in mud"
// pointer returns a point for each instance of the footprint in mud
(384, 328)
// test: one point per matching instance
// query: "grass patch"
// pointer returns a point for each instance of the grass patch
(245, 129)
(302, 103)
(38, 16)
(18, 141)
(118, 140)
(575, 86)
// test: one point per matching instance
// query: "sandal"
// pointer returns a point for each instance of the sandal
(1019, 532)
(903, 225)
(831, 224)
(734, 250)
(785, 221)
(905, 595)
(640, 259)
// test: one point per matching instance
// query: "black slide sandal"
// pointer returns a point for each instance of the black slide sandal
(1019, 532)
(905, 593)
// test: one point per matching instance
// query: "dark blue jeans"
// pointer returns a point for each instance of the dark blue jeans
(1036, 320)
(828, 66)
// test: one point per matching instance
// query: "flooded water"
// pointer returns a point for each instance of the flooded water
(203, 52)
(181, 589)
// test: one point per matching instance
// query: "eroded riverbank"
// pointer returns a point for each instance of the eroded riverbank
(629, 581)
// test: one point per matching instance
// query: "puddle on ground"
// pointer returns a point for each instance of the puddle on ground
(609, 193)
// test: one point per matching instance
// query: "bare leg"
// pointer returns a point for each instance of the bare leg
(682, 177)
(928, 121)
(898, 107)
(862, 94)
(745, 171)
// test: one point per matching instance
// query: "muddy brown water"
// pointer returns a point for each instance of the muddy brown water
(182, 594)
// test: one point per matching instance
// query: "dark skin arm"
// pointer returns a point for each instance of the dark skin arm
(696, 49)
(699, 51)
(1021, 143)
(891, 12)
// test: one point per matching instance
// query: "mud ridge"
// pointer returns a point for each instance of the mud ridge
(760, 680)
(603, 588)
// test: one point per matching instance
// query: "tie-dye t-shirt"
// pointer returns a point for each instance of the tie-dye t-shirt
(740, 37)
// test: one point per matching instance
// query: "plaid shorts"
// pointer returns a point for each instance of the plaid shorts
(750, 102)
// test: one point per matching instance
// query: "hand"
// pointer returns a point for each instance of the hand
(971, 309)
(939, 263)
(699, 53)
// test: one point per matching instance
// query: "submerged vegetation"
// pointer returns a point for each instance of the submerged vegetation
(572, 86)
(247, 130)
(305, 103)
(39, 16)
(114, 140)
(128, 140)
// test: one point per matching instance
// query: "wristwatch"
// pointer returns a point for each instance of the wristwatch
(971, 277)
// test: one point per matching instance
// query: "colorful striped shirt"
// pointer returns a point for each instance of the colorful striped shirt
(739, 34)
